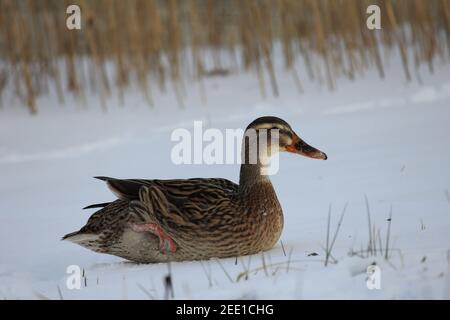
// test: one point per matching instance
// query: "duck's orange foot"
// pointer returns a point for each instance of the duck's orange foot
(166, 243)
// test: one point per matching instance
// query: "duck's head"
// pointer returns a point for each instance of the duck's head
(288, 140)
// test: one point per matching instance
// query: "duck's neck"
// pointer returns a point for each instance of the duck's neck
(252, 176)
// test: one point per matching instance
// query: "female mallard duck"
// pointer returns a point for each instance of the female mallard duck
(201, 218)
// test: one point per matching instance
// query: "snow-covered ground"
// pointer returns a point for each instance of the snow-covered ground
(387, 140)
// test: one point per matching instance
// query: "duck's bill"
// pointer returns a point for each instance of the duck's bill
(304, 149)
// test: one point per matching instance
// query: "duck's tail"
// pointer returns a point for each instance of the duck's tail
(80, 237)
(87, 240)
(103, 220)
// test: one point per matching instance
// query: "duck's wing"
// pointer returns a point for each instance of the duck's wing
(176, 204)
(176, 188)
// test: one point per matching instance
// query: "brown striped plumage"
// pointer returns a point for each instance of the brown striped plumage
(204, 217)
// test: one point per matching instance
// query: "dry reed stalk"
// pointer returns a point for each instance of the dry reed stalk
(263, 16)
(50, 25)
(195, 46)
(156, 41)
(321, 40)
(137, 23)
(68, 46)
(22, 34)
(174, 46)
(249, 41)
(212, 30)
(445, 8)
(117, 47)
(94, 49)
(372, 43)
(388, 235)
(400, 38)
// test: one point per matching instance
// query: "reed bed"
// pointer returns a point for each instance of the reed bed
(162, 44)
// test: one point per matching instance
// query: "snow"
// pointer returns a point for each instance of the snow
(385, 139)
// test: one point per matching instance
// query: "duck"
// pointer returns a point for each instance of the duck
(154, 221)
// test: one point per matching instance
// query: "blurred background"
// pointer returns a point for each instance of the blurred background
(161, 45)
